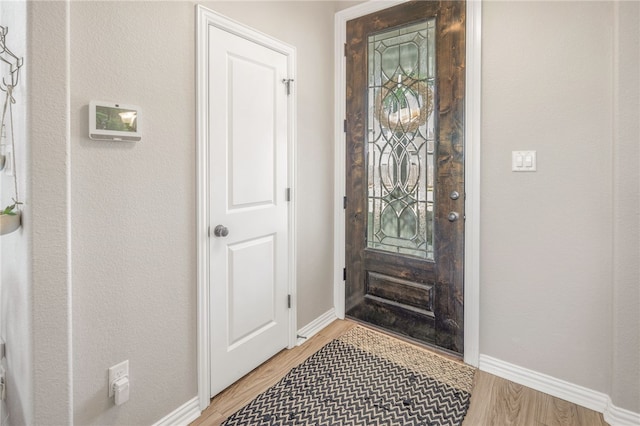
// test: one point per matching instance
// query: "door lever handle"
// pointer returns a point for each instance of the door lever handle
(220, 231)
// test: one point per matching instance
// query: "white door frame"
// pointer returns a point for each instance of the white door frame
(205, 18)
(471, 166)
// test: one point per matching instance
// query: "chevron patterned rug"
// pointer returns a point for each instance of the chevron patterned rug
(365, 378)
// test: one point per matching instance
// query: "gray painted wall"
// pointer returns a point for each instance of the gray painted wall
(546, 236)
(51, 217)
(133, 235)
(559, 288)
(626, 196)
(559, 265)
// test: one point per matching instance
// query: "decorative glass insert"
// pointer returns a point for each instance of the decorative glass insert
(401, 143)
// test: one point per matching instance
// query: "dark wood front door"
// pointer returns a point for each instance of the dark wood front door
(405, 171)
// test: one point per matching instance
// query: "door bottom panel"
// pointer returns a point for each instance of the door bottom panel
(418, 296)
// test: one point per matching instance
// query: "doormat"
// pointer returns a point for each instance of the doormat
(365, 378)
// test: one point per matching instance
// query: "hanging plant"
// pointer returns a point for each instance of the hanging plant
(10, 209)
(10, 216)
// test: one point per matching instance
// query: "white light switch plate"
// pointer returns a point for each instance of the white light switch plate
(523, 161)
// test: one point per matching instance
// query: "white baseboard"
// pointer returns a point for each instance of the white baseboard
(617, 416)
(541, 382)
(306, 332)
(183, 415)
(571, 392)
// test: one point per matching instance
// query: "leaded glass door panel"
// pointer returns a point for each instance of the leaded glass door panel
(405, 174)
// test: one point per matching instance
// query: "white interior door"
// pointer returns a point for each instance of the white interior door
(248, 179)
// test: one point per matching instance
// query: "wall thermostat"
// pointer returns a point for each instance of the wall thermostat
(114, 122)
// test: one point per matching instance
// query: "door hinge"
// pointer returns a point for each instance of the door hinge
(3, 387)
(344, 125)
(287, 82)
(344, 202)
(344, 274)
(287, 194)
(345, 49)
(289, 301)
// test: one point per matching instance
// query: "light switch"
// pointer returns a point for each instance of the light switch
(523, 161)
(528, 161)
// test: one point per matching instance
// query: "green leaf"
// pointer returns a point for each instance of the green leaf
(9, 209)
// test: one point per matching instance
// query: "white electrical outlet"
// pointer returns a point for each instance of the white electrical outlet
(116, 372)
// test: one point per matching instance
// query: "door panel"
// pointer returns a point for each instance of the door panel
(252, 111)
(248, 175)
(251, 289)
(405, 165)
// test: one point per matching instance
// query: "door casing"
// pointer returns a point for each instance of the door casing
(205, 18)
(472, 165)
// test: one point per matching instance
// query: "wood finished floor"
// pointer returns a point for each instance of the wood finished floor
(494, 401)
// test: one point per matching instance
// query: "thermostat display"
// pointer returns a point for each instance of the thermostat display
(111, 121)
